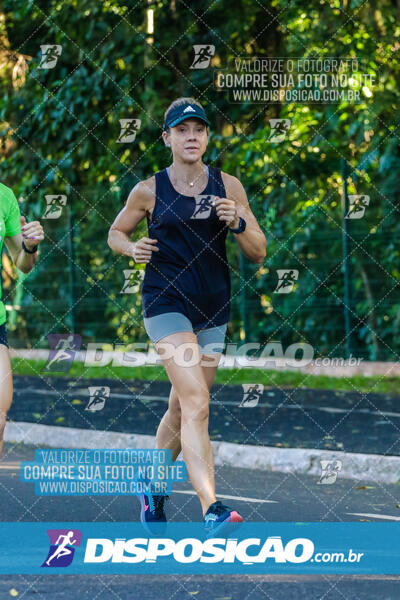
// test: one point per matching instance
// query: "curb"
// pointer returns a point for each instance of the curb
(373, 467)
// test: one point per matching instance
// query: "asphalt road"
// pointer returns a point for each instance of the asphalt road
(206, 587)
(291, 418)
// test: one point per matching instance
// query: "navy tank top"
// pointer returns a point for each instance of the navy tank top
(190, 272)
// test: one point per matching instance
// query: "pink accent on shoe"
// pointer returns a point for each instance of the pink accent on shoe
(235, 517)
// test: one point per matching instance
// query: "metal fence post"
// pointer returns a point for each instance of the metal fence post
(243, 298)
(346, 260)
(71, 268)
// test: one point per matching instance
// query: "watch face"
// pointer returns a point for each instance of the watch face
(242, 224)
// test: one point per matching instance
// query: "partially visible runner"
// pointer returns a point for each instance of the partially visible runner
(186, 289)
(22, 247)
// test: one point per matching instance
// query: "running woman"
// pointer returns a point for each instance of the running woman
(190, 207)
(21, 239)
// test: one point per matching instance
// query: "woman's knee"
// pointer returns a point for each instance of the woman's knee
(196, 406)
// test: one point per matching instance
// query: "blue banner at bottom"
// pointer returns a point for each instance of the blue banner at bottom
(253, 548)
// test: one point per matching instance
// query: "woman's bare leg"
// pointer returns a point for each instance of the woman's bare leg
(192, 390)
(6, 390)
(169, 430)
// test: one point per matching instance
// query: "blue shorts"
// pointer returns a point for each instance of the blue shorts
(162, 325)
(3, 335)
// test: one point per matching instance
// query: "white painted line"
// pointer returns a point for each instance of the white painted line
(227, 497)
(374, 516)
(11, 466)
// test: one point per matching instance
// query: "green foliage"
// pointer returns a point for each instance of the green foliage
(65, 125)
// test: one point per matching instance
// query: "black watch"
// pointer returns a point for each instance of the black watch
(29, 251)
(241, 228)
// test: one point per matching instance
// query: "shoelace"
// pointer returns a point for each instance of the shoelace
(218, 508)
(158, 504)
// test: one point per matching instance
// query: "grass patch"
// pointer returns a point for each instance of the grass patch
(271, 379)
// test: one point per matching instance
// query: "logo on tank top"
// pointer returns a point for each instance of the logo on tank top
(204, 204)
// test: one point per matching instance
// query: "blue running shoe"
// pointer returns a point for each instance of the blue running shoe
(220, 519)
(152, 514)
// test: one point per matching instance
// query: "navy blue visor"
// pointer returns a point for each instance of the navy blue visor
(184, 111)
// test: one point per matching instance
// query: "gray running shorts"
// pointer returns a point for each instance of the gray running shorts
(161, 325)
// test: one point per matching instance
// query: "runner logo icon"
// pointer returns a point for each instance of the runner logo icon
(62, 547)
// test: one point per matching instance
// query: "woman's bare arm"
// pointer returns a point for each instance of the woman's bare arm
(252, 241)
(138, 203)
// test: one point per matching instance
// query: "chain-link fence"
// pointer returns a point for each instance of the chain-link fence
(298, 295)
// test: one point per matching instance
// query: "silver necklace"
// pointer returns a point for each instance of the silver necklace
(191, 183)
